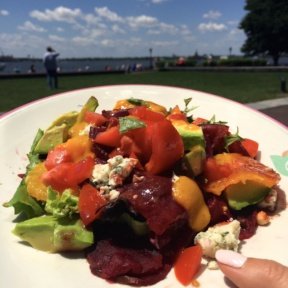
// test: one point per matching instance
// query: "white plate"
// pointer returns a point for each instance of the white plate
(22, 266)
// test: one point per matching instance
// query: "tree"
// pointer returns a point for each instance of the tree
(266, 28)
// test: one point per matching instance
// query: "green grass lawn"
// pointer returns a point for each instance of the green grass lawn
(243, 87)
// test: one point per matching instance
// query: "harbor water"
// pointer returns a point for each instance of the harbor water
(23, 66)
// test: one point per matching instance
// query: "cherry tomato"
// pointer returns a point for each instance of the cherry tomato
(68, 174)
(90, 201)
(111, 137)
(250, 146)
(94, 118)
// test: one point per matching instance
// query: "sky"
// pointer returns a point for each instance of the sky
(121, 28)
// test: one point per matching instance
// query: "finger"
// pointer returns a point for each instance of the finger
(250, 272)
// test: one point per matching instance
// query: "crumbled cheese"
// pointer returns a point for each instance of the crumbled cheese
(86, 130)
(112, 174)
(212, 265)
(270, 201)
(220, 236)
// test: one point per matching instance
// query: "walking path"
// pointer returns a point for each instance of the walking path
(277, 109)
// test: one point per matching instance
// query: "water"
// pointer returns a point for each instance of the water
(74, 65)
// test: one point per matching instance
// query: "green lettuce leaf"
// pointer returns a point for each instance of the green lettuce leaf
(24, 203)
(21, 200)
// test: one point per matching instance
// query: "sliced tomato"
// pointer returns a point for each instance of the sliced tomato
(167, 147)
(94, 118)
(90, 202)
(198, 121)
(145, 114)
(188, 264)
(213, 171)
(57, 156)
(111, 137)
(177, 114)
(68, 174)
(73, 150)
(250, 146)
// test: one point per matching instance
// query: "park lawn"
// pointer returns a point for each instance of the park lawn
(244, 87)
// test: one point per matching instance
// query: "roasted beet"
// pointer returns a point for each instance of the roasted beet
(115, 113)
(136, 267)
(237, 147)
(214, 135)
(218, 208)
(152, 198)
(94, 130)
(248, 221)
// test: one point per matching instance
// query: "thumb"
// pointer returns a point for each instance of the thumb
(251, 272)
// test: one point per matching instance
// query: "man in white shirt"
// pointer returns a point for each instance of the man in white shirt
(50, 63)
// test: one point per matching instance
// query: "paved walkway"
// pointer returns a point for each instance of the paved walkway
(277, 109)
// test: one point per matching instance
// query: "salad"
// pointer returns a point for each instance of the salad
(141, 189)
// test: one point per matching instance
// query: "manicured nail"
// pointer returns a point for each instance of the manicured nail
(230, 258)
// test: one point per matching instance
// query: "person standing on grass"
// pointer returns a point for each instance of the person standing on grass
(50, 64)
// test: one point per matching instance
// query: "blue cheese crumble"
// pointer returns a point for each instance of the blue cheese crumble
(220, 236)
(112, 174)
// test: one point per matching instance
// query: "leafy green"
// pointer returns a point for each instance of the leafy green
(214, 121)
(232, 138)
(61, 205)
(128, 123)
(24, 203)
(21, 200)
(34, 157)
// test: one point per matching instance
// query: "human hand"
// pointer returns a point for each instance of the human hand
(251, 272)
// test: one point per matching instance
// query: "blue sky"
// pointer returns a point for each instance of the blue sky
(120, 28)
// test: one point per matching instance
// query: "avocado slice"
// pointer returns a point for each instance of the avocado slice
(194, 145)
(194, 160)
(68, 119)
(47, 233)
(191, 134)
(241, 195)
(51, 138)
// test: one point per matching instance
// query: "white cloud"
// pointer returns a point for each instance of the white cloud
(61, 14)
(82, 41)
(107, 43)
(4, 13)
(141, 21)
(116, 29)
(212, 14)
(157, 1)
(56, 38)
(59, 29)
(106, 13)
(29, 26)
(211, 27)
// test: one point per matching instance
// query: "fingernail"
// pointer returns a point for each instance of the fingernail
(230, 258)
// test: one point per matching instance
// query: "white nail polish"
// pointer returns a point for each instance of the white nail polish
(230, 258)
